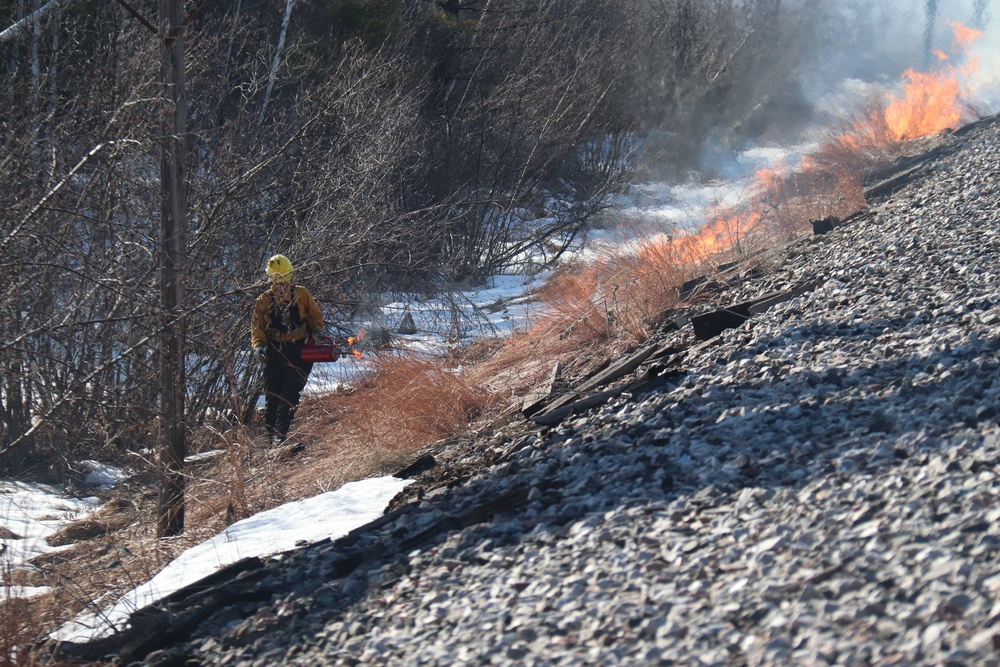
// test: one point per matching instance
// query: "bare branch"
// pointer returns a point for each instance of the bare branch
(28, 21)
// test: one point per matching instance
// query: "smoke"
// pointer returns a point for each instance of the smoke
(862, 50)
(881, 40)
(847, 54)
(985, 83)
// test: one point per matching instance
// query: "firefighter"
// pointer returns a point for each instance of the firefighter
(283, 318)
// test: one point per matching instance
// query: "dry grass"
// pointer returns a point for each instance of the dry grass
(616, 299)
(593, 312)
(20, 621)
(409, 401)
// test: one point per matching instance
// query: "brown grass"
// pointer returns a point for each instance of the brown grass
(616, 299)
(593, 312)
(412, 400)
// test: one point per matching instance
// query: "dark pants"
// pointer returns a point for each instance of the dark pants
(285, 376)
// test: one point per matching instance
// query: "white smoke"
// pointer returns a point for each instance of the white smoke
(984, 84)
(877, 42)
(870, 44)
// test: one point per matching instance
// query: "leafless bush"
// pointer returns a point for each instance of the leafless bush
(324, 181)
(527, 146)
(707, 75)
(77, 256)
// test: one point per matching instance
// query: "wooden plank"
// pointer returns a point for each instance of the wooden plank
(557, 415)
(617, 369)
(891, 185)
(537, 397)
(612, 372)
(711, 324)
(781, 297)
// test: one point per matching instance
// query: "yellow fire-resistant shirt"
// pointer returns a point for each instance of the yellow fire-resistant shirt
(274, 320)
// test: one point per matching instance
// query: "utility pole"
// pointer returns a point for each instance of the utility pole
(173, 258)
(930, 18)
(980, 14)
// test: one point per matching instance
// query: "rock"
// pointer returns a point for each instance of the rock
(406, 326)
(819, 488)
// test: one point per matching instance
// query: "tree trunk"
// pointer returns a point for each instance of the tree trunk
(172, 261)
(277, 61)
(36, 93)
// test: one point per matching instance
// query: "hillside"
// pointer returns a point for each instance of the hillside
(816, 486)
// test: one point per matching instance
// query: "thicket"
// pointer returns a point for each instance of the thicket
(381, 144)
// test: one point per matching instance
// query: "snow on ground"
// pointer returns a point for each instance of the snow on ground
(683, 207)
(331, 514)
(500, 308)
(100, 475)
(28, 514)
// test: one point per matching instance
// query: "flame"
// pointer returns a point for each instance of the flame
(932, 101)
(354, 340)
(964, 37)
(728, 226)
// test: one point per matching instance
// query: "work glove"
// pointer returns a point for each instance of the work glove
(261, 353)
(317, 336)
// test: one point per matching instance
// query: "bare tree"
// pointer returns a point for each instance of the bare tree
(32, 20)
(523, 94)
(289, 4)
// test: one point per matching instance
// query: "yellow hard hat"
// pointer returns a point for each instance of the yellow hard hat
(279, 269)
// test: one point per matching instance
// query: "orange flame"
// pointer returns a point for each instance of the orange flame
(964, 37)
(931, 101)
(354, 340)
(727, 226)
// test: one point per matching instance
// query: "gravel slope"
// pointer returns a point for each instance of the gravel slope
(820, 488)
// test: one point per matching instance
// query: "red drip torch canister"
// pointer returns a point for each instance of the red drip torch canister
(318, 350)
